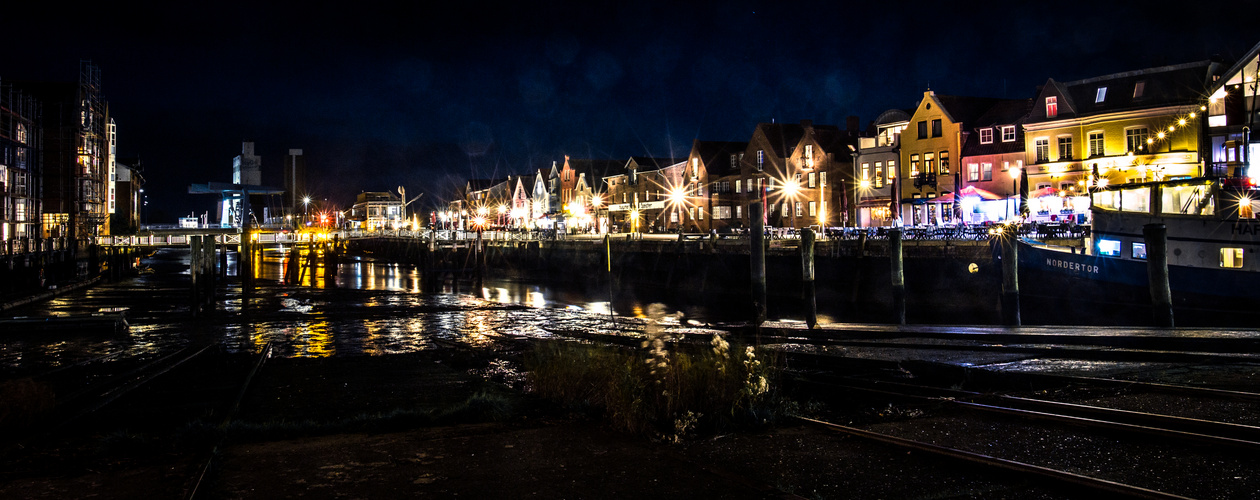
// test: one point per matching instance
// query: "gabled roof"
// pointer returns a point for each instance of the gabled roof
(716, 155)
(783, 137)
(596, 169)
(965, 109)
(1006, 112)
(650, 163)
(481, 184)
(1181, 84)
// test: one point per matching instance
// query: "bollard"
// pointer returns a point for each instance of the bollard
(1010, 279)
(1156, 236)
(807, 276)
(758, 262)
(898, 276)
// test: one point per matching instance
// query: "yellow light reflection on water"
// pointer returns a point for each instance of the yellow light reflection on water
(313, 340)
(535, 299)
(600, 308)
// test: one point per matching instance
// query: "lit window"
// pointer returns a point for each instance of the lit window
(986, 171)
(1052, 107)
(944, 162)
(879, 174)
(866, 171)
(1101, 95)
(1065, 148)
(761, 159)
(1042, 147)
(813, 210)
(1135, 138)
(892, 169)
(813, 180)
(986, 136)
(1008, 133)
(973, 172)
(914, 165)
(929, 163)
(1232, 258)
(1139, 250)
(1095, 144)
(1109, 248)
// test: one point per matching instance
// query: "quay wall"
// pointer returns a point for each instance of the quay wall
(946, 281)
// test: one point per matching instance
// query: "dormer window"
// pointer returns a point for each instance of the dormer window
(986, 136)
(1138, 88)
(1052, 107)
(809, 156)
(1008, 133)
(1101, 95)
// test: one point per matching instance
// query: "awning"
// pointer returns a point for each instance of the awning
(975, 191)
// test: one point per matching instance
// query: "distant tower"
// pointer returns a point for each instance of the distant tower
(247, 167)
(247, 171)
(294, 181)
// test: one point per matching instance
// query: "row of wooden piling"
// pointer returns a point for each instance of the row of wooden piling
(1157, 267)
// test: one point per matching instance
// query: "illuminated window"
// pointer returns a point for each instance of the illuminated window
(986, 171)
(809, 155)
(813, 180)
(1052, 107)
(798, 209)
(973, 172)
(1065, 148)
(914, 165)
(1135, 138)
(1042, 147)
(1095, 144)
(1232, 258)
(944, 162)
(761, 159)
(866, 171)
(879, 174)
(892, 169)
(1109, 248)
(739, 211)
(738, 186)
(1101, 95)
(936, 127)
(1008, 133)
(986, 136)
(1139, 250)
(929, 163)
(813, 210)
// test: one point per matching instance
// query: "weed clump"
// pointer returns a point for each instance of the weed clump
(665, 389)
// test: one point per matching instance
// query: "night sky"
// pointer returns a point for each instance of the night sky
(427, 96)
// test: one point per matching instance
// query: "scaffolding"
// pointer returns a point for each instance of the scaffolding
(91, 172)
(19, 170)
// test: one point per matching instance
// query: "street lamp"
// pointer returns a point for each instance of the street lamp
(790, 189)
(1014, 190)
(306, 205)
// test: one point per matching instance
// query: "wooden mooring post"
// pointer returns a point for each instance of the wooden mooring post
(758, 251)
(898, 276)
(1156, 236)
(1010, 279)
(807, 277)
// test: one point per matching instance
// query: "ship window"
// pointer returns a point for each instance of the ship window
(1232, 258)
(1193, 199)
(1139, 251)
(1109, 248)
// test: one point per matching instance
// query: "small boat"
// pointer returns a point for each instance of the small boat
(110, 321)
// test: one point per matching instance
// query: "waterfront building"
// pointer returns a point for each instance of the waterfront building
(73, 134)
(712, 166)
(376, 210)
(583, 194)
(128, 198)
(1128, 127)
(786, 166)
(875, 166)
(19, 172)
(992, 161)
(929, 149)
(1231, 109)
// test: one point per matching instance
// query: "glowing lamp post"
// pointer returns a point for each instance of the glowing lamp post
(790, 189)
(677, 198)
(306, 208)
(1014, 189)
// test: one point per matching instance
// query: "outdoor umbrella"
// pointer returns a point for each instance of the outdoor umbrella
(1023, 192)
(957, 200)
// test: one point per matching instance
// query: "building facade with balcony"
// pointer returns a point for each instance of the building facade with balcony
(376, 210)
(711, 166)
(875, 167)
(1136, 126)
